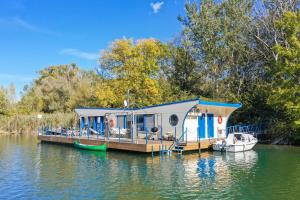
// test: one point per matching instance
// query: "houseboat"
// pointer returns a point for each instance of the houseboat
(182, 125)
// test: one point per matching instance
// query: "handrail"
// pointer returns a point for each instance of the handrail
(250, 129)
(177, 140)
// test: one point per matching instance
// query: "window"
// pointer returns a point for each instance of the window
(121, 121)
(140, 122)
(173, 120)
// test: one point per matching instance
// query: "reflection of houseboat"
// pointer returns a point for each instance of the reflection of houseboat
(191, 124)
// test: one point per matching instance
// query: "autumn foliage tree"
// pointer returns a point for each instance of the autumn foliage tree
(134, 67)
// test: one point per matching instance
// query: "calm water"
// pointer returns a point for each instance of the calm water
(30, 170)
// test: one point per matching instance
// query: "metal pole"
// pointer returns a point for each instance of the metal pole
(161, 135)
(186, 135)
(175, 133)
(147, 136)
(152, 152)
(159, 150)
(119, 135)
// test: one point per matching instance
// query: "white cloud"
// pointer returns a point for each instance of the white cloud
(80, 54)
(156, 6)
(21, 23)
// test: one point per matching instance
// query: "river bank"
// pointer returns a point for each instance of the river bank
(28, 124)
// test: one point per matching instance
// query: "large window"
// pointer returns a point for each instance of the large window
(121, 121)
(140, 122)
(144, 122)
(149, 122)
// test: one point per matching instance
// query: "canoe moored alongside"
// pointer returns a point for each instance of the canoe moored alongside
(101, 147)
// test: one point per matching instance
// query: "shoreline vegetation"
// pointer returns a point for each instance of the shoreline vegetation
(233, 51)
(29, 124)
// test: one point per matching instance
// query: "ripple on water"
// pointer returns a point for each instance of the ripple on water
(46, 171)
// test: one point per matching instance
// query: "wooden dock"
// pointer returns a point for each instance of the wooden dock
(126, 145)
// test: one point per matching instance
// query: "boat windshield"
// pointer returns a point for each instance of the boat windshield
(238, 137)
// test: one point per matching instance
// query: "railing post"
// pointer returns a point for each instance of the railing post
(161, 135)
(108, 135)
(175, 133)
(146, 135)
(119, 135)
(186, 135)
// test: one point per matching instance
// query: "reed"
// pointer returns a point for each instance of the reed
(28, 124)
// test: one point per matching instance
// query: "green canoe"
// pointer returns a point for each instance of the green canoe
(101, 147)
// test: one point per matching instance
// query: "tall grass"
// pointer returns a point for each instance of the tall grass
(28, 124)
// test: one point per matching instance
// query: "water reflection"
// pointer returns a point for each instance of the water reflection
(41, 171)
(245, 159)
(208, 165)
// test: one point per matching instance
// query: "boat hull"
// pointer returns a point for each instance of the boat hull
(102, 147)
(240, 147)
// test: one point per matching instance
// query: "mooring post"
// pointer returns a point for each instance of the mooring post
(159, 150)
(199, 148)
(152, 151)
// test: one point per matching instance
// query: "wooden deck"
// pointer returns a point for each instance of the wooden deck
(125, 144)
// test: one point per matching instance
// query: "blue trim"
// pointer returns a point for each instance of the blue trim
(201, 126)
(211, 103)
(82, 122)
(102, 124)
(95, 124)
(210, 125)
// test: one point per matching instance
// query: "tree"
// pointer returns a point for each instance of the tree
(134, 66)
(60, 89)
(286, 71)
(218, 36)
(3, 102)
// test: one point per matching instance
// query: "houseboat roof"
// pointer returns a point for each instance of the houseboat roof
(175, 106)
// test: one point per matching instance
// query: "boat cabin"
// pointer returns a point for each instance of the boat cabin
(187, 121)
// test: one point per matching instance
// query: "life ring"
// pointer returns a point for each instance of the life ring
(220, 120)
(112, 123)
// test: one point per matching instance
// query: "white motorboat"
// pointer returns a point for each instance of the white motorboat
(236, 142)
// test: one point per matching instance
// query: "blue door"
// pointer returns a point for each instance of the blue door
(210, 124)
(201, 126)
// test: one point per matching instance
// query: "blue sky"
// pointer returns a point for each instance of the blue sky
(37, 33)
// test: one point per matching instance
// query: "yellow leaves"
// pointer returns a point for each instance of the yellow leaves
(105, 95)
(134, 66)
